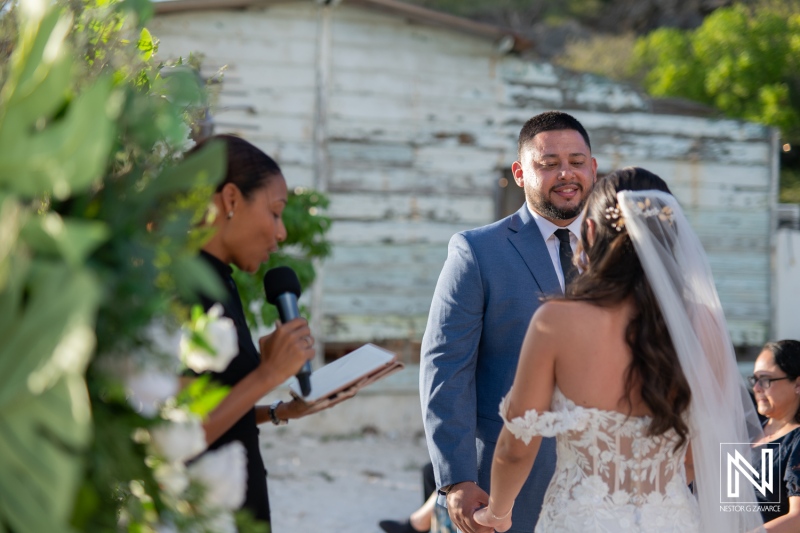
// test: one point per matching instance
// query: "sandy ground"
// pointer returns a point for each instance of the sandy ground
(343, 483)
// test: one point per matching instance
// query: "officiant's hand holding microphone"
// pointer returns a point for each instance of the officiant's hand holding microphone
(282, 289)
(287, 349)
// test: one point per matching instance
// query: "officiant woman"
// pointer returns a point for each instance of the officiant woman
(247, 221)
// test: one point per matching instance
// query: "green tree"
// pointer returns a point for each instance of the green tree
(745, 61)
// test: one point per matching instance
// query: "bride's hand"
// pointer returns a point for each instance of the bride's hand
(484, 517)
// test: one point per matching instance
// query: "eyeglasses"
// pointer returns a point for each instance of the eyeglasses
(763, 382)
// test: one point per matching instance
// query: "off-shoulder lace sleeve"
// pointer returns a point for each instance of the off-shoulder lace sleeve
(544, 424)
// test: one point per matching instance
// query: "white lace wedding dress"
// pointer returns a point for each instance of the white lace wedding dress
(610, 475)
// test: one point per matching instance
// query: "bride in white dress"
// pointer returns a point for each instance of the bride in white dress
(634, 374)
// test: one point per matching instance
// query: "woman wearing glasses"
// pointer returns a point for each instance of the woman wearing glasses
(776, 385)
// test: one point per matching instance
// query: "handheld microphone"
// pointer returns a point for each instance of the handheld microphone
(282, 289)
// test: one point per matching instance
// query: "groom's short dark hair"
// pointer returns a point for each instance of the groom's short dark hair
(549, 121)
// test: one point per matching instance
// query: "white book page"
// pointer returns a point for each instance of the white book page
(344, 371)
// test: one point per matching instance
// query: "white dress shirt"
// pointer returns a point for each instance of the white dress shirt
(548, 230)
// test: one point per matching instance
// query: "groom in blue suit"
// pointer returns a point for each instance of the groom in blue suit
(488, 290)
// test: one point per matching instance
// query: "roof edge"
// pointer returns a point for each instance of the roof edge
(438, 18)
(179, 6)
(507, 40)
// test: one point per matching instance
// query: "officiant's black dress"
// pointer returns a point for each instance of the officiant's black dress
(247, 360)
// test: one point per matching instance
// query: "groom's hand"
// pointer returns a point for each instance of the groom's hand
(462, 501)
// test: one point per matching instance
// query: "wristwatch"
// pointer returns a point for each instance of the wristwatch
(445, 490)
(274, 417)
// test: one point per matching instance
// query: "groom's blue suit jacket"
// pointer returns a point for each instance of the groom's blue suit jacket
(489, 288)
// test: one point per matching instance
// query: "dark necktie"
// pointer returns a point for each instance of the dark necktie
(565, 256)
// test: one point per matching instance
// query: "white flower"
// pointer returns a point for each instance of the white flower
(187, 142)
(222, 335)
(172, 478)
(148, 388)
(148, 372)
(179, 439)
(223, 472)
(219, 333)
(147, 384)
(163, 340)
(160, 149)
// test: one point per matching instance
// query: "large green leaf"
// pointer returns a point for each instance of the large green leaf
(44, 410)
(193, 276)
(15, 268)
(11, 220)
(49, 143)
(40, 68)
(201, 168)
(68, 155)
(50, 331)
(73, 240)
(41, 441)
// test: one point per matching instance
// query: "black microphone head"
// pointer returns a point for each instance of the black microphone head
(280, 280)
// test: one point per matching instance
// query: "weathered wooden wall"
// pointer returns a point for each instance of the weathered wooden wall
(408, 128)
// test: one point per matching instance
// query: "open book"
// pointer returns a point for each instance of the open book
(347, 375)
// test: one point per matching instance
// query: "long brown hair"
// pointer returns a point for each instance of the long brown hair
(613, 273)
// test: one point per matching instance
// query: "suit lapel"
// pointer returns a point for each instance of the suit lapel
(529, 243)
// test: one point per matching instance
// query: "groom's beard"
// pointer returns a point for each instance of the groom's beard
(547, 209)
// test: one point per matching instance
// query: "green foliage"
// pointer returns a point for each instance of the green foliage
(48, 298)
(743, 61)
(245, 522)
(149, 201)
(8, 33)
(99, 212)
(201, 396)
(790, 186)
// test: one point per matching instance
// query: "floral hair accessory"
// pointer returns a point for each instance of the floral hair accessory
(614, 214)
(647, 209)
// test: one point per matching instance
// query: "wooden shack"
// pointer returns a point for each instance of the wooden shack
(408, 118)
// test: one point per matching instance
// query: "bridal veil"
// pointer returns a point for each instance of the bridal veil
(721, 415)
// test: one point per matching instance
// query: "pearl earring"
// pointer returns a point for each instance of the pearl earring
(230, 214)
